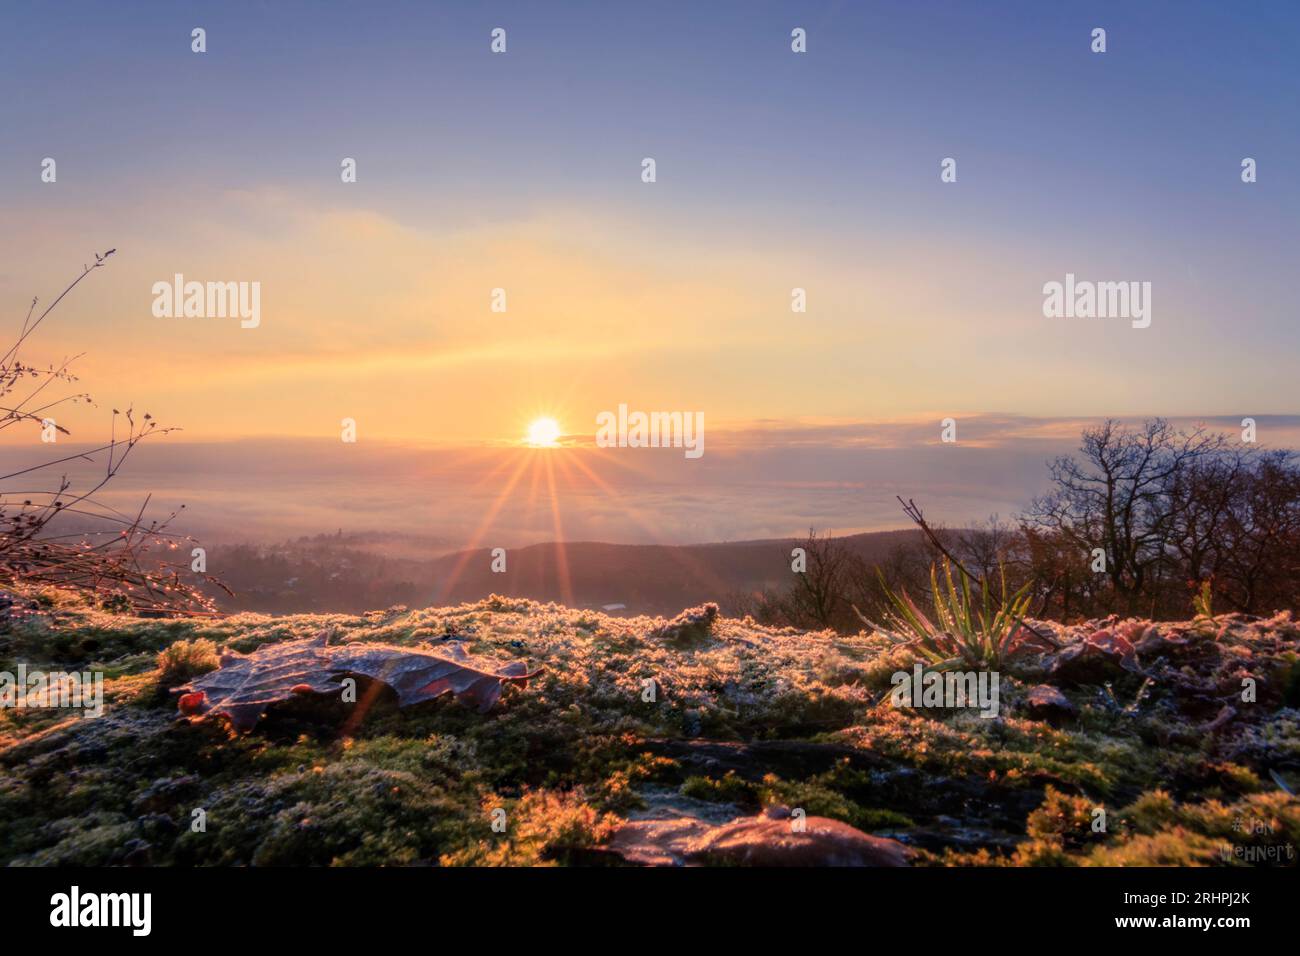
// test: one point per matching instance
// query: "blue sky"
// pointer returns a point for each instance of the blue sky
(1009, 87)
(775, 171)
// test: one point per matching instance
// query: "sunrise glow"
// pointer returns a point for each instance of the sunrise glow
(543, 433)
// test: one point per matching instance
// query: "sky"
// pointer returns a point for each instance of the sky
(774, 170)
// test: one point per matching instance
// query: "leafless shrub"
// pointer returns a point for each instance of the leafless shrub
(113, 555)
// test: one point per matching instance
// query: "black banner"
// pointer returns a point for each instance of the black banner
(289, 907)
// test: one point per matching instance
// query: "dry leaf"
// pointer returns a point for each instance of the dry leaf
(246, 684)
(422, 675)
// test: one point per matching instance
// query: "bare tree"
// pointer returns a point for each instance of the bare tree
(1258, 569)
(818, 593)
(1114, 498)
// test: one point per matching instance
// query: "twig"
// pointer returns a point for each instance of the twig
(111, 563)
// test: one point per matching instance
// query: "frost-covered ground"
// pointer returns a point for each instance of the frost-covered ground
(706, 722)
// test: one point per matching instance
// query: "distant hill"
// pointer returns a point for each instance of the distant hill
(645, 579)
(357, 573)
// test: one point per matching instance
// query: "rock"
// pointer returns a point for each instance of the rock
(1047, 703)
(954, 836)
(754, 841)
(752, 760)
(1116, 644)
(1098, 658)
(813, 841)
(1175, 643)
(657, 842)
(1083, 664)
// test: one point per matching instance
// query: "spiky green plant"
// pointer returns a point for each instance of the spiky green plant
(977, 632)
(1203, 601)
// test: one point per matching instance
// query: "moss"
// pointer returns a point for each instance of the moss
(1157, 830)
(823, 797)
(382, 801)
(618, 792)
(540, 828)
(94, 840)
(571, 753)
(727, 789)
(1062, 820)
(1173, 847)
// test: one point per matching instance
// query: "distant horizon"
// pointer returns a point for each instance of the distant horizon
(751, 485)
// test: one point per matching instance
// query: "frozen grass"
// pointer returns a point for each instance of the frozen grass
(581, 747)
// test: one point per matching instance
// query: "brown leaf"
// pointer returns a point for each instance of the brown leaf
(422, 675)
(245, 685)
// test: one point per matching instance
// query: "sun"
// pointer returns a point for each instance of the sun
(543, 433)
